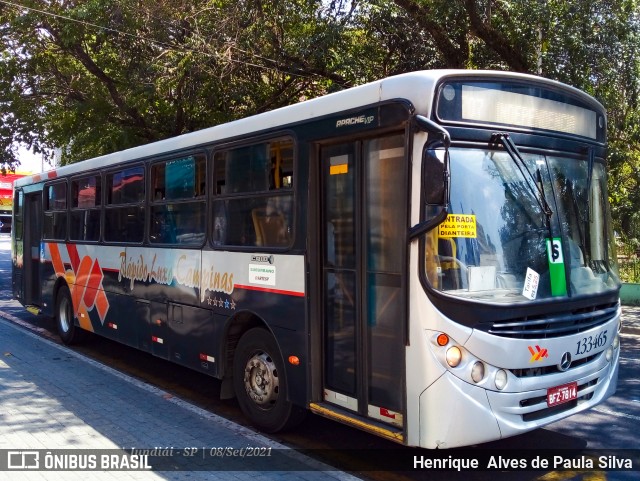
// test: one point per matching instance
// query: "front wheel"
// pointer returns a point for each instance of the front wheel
(65, 319)
(260, 383)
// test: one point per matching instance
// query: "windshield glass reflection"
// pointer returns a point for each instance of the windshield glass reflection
(498, 245)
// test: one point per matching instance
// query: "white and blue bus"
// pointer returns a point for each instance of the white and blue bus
(428, 257)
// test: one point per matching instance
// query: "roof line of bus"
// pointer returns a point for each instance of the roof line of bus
(417, 87)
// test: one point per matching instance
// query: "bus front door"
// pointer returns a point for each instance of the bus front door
(32, 289)
(364, 202)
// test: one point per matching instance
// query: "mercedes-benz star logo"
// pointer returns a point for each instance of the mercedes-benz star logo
(565, 362)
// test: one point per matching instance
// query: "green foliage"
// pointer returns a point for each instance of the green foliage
(102, 75)
(95, 76)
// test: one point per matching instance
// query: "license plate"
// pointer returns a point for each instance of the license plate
(562, 394)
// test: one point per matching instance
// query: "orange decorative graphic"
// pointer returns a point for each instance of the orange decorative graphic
(538, 354)
(85, 282)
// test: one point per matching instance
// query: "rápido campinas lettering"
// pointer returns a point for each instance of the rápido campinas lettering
(185, 272)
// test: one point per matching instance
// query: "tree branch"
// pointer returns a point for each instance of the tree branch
(455, 56)
(76, 50)
(301, 66)
(494, 39)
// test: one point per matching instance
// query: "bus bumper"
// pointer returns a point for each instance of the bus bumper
(456, 413)
(521, 412)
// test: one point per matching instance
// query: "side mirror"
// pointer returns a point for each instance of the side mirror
(436, 177)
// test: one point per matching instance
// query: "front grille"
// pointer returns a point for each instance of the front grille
(565, 324)
(541, 371)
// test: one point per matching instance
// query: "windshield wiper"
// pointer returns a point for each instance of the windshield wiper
(585, 216)
(514, 153)
(592, 156)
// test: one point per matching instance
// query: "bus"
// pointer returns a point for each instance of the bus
(428, 257)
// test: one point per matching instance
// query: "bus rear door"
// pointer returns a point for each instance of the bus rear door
(32, 289)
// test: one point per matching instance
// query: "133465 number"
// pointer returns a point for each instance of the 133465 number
(589, 343)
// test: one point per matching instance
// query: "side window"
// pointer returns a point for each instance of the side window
(55, 211)
(86, 200)
(124, 205)
(178, 201)
(254, 195)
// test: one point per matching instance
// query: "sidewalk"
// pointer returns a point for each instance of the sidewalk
(52, 398)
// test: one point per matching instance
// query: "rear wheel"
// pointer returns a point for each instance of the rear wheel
(260, 383)
(65, 319)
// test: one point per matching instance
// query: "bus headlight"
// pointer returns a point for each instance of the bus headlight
(477, 372)
(464, 365)
(616, 341)
(454, 356)
(501, 379)
(609, 353)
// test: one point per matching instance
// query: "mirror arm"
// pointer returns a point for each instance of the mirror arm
(424, 227)
(427, 125)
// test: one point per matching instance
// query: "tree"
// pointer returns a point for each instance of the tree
(102, 75)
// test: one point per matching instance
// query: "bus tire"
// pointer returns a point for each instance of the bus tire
(65, 319)
(260, 383)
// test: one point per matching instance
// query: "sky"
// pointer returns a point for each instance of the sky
(30, 162)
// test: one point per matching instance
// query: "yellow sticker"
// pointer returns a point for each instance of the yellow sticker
(339, 164)
(458, 225)
(339, 169)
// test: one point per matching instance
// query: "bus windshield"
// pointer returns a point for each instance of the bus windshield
(501, 244)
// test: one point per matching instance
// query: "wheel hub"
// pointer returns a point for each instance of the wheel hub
(261, 379)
